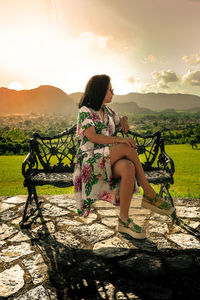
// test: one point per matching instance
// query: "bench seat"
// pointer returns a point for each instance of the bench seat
(63, 179)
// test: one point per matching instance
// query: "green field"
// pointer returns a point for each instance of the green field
(187, 174)
(11, 179)
(187, 170)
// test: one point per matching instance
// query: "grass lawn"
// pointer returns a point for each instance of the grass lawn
(187, 174)
(187, 170)
(11, 179)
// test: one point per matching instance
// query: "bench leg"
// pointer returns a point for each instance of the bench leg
(164, 192)
(32, 195)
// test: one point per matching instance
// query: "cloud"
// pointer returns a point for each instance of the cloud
(148, 87)
(136, 84)
(149, 59)
(130, 79)
(165, 77)
(163, 85)
(88, 39)
(192, 78)
(192, 60)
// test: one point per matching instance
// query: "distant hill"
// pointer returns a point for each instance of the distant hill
(127, 107)
(76, 96)
(160, 101)
(44, 99)
(144, 103)
(120, 108)
(50, 99)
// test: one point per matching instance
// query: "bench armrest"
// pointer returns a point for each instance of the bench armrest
(29, 164)
(165, 161)
(153, 148)
(147, 145)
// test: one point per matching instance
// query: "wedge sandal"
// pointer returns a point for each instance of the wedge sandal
(131, 228)
(163, 209)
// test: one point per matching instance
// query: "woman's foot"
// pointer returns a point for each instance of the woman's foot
(131, 228)
(158, 205)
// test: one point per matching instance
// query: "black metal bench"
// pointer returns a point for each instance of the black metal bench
(50, 161)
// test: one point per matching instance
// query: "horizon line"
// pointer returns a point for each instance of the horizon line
(143, 93)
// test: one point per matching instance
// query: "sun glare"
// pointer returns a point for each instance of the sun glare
(15, 85)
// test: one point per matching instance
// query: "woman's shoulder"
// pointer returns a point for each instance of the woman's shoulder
(84, 109)
(110, 110)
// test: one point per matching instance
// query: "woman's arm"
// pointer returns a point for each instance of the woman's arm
(91, 134)
(124, 124)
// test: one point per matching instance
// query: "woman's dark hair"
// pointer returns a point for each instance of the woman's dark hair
(95, 92)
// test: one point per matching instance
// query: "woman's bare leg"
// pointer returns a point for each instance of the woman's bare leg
(124, 151)
(125, 170)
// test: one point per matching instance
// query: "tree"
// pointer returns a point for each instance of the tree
(14, 135)
(193, 142)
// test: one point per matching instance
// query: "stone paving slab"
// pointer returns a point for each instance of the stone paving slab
(65, 256)
(11, 281)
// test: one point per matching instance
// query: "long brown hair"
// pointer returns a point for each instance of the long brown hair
(95, 92)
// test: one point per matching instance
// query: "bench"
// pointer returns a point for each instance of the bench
(50, 161)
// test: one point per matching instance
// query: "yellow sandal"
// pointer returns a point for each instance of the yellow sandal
(131, 228)
(151, 203)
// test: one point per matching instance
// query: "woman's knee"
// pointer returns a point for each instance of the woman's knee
(124, 168)
(121, 151)
(128, 168)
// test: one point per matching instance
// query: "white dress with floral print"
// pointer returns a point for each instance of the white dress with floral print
(92, 175)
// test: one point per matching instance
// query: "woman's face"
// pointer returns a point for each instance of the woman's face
(109, 94)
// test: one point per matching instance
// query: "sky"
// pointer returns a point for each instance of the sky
(143, 45)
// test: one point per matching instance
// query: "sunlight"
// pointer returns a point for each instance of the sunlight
(47, 52)
(15, 85)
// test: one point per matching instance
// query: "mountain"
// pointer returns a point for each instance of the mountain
(50, 99)
(43, 99)
(126, 107)
(144, 103)
(76, 96)
(160, 101)
(120, 108)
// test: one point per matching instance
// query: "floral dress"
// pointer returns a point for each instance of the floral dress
(92, 175)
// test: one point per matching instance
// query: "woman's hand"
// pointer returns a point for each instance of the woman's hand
(124, 124)
(129, 141)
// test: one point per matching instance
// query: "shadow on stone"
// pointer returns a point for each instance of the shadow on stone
(141, 273)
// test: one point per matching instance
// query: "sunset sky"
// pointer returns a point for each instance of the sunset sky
(144, 45)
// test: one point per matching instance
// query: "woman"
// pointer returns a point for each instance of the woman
(108, 167)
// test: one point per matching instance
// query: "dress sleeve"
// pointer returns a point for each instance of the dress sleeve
(84, 121)
(116, 119)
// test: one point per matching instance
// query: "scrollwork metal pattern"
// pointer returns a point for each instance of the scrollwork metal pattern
(147, 145)
(56, 153)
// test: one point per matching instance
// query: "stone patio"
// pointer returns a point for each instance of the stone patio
(64, 256)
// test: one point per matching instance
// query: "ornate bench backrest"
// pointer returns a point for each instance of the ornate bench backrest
(147, 147)
(56, 153)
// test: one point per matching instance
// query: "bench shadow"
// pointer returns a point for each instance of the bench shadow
(77, 273)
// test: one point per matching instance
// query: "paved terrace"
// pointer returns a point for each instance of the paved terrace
(64, 256)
